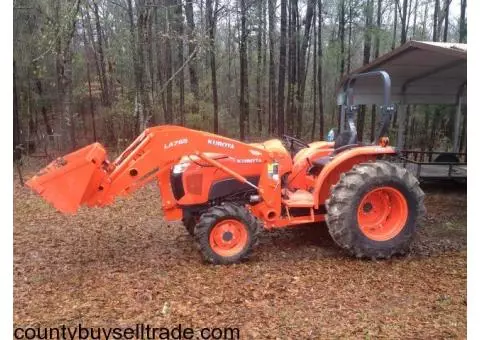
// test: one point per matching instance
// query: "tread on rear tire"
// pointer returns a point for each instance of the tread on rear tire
(345, 201)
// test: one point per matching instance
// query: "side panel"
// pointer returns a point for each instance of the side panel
(230, 186)
(342, 163)
(198, 181)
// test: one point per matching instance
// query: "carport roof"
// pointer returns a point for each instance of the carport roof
(421, 73)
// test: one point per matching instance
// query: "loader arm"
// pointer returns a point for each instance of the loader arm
(86, 177)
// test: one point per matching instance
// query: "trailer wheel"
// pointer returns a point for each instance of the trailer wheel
(374, 209)
(227, 234)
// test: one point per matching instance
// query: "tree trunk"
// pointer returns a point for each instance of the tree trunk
(92, 111)
(211, 22)
(168, 65)
(192, 46)
(271, 68)
(314, 77)
(60, 72)
(244, 115)
(46, 121)
(292, 66)
(142, 106)
(67, 78)
(434, 130)
(445, 28)
(320, 72)
(395, 20)
(435, 20)
(341, 32)
(463, 21)
(349, 53)
(282, 66)
(415, 10)
(136, 67)
(147, 67)
(367, 36)
(103, 73)
(94, 50)
(425, 131)
(409, 13)
(178, 26)
(302, 65)
(16, 119)
(264, 86)
(403, 38)
(412, 131)
(69, 94)
(376, 55)
(160, 24)
(367, 46)
(379, 27)
(152, 65)
(259, 69)
(424, 23)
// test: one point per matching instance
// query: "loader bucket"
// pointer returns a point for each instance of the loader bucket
(71, 180)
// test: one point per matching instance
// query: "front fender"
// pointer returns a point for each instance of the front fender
(341, 163)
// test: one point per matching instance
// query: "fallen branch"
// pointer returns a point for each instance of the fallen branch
(190, 57)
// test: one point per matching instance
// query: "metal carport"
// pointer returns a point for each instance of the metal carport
(421, 73)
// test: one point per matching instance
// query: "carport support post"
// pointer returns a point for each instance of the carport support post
(456, 135)
(401, 126)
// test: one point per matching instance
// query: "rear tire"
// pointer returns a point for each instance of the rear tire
(227, 234)
(374, 209)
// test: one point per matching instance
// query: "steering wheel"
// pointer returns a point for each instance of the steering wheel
(293, 141)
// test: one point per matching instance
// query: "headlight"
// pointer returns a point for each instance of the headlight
(180, 167)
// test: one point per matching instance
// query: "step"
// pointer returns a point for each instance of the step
(299, 199)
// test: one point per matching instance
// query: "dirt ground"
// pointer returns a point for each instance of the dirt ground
(123, 265)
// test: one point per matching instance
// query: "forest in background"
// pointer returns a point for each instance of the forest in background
(103, 70)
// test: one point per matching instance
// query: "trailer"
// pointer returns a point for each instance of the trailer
(435, 165)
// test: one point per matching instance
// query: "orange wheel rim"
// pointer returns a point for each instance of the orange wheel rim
(228, 237)
(382, 213)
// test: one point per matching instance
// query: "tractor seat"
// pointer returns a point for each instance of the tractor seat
(345, 138)
(344, 141)
(318, 163)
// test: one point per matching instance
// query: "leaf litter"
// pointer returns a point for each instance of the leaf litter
(123, 264)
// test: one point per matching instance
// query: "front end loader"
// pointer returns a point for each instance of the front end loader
(226, 191)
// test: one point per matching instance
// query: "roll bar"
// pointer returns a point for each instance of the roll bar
(387, 108)
(387, 84)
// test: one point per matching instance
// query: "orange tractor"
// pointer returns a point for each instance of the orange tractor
(226, 191)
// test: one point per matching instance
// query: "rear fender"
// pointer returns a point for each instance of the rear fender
(330, 174)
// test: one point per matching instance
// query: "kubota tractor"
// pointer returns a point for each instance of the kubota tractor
(226, 191)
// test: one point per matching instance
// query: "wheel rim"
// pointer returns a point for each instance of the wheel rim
(382, 213)
(228, 237)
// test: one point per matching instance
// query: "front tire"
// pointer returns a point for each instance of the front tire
(374, 209)
(189, 221)
(227, 234)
